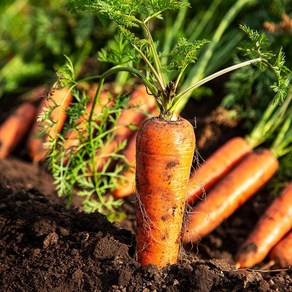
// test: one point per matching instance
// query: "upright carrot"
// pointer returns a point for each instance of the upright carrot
(281, 254)
(163, 161)
(234, 150)
(272, 226)
(230, 193)
(59, 99)
(16, 127)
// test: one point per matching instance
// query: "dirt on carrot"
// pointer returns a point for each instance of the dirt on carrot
(272, 226)
(164, 156)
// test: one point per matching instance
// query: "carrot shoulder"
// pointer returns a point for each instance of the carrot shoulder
(281, 253)
(15, 128)
(60, 98)
(272, 226)
(163, 160)
(216, 166)
(230, 193)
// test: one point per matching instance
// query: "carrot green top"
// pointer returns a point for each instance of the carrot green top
(135, 51)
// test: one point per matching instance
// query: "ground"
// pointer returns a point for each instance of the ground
(45, 246)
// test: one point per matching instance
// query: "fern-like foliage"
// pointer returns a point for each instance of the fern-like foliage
(257, 46)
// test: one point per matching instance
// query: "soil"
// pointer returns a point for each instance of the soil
(45, 246)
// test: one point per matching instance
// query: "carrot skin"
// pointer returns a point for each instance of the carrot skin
(272, 226)
(281, 253)
(35, 146)
(230, 193)
(163, 162)
(216, 166)
(15, 128)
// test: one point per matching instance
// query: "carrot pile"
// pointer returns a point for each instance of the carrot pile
(233, 151)
(235, 188)
(244, 179)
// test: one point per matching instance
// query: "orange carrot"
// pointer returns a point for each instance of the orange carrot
(72, 138)
(272, 226)
(15, 128)
(129, 116)
(127, 187)
(232, 152)
(216, 166)
(281, 253)
(230, 193)
(60, 98)
(163, 160)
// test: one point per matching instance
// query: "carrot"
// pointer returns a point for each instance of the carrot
(60, 99)
(127, 186)
(216, 166)
(72, 138)
(232, 152)
(281, 253)
(163, 160)
(272, 226)
(230, 193)
(129, 116)
(15, 128)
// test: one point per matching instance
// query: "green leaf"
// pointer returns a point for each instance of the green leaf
(185, 53)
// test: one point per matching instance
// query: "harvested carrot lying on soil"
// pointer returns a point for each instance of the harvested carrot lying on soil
(60, 99)
(13, 130)
(272, 226)
(163, 161)
(216, 166)
(281, 254)
(139, 105)
(230, 193)
(233, 151)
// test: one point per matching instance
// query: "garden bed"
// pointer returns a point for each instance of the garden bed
(48, 247)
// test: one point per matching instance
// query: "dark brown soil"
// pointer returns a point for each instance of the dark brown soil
(46, 247)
